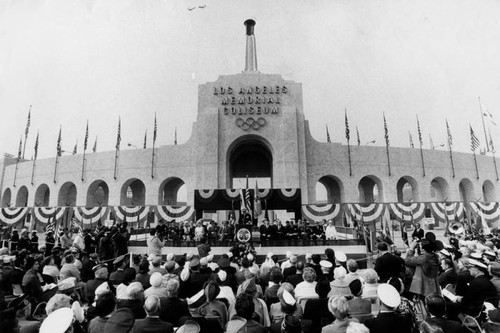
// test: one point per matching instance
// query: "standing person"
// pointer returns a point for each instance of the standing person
(24, 241)
(424, 280)
(65, 241)
(388, 265)
(418, 233)
(119, 242)
(34, 241)
(245, 217)
(14, 240)
(106, 250)
(50, 242)
(155, 243)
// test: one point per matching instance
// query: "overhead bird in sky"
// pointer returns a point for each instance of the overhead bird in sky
(202, 6)
(191, 8)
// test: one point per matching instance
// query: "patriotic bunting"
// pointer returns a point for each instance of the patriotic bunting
(318, 212)
(44, 215)
(177, 213)
(489, 211)
(368, 213)
(90, 215)
(13, 216)
(133, 215)
(454, 211)
(404, 212)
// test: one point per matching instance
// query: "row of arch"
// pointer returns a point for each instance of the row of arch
(371, 189)
(172, 191)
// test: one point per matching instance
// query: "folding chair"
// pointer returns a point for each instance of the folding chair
(470, 324)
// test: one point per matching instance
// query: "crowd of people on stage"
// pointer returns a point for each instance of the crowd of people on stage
(90, 283)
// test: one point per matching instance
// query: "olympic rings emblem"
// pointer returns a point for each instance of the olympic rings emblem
(250, 123)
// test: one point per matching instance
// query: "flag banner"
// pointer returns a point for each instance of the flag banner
(91, 215)
(328, 135)
(450, 138)
(419, 134)
(234, 194)
(231, 194)
(12, 216)
(177, 213)
(133, 215)
(119, 135)
(145, 140)
(368, 213)
(265, 193)
(347, 132)
(20, 151)
(289, 194)
(45, 215)
(357, 136)
(36, 146)
(454, 211)
(94, 149)
(155, 130)
(59, 149)
(492, 147)
(474, 141)
(86, 137)
(408, 212)
(257, 207)
(488, 211)
(75, 150)
(206, 195)
(321, 211)
(28, 123)
(386, 133)
(411, 140)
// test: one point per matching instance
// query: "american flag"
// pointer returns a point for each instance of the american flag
(155, 130)
(248, 202)
(20, 151)
(86, 137)
(59, 149)
(28, 123)
(474, 141)
(347, 132)
(51, 227)
(119, 135)
(419, 134)
(386, 133)
(450, 138)
(36, 146)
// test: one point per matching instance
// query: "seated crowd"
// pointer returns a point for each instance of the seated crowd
(434, 287)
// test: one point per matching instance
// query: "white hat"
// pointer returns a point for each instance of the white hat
(309, 255)
(170, 256)
(250, 256)
(189, 256)
(269, 255)
(184, 274)
(222, 275)
(325, 264)
(67, 284)
(230, 254)
(388, 295)
(103, 287)
(477, 263)
(340, 256)
(288, 298)
(288, 254)
(203, 261)
(57, 321)
(210, 257)
(196, 297)
(155, 279)
(78, 312)
(445, 252)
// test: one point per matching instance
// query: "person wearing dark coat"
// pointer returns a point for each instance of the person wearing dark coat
(14, 240)
(449, 275)
(101, 276)
(24, 241)
(172, 308)
(418, 233)
(152, 323)
(436, 306)
(479, 289)
(388, 265)
(296, 278)
(34, 242)
(106, 250)
(316, 313)
(119, 243)
(50, 242)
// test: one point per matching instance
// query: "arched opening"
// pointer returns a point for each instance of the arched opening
(22, 197)
(489, 191)
(250, 156)
(407, 189)
(439, 189)
(133, 193)
(7, 198)
(329, 189)
(370, 190)
(172, 191)
(466, 189)
(67, 195)
(98, 194)
(42, 196)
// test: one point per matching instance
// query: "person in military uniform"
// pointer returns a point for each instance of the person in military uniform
(14, 240)
(265, 231)
(34, 241)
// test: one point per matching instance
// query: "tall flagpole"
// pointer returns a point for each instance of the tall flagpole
(386, 130)
(493, 153)
(19, 154)
(421, 144)
(153, 157)
(484, 127)
(474, 145)
(58, 153)
(117, 147)
(347, 136)
(84, 150)
(28, 122)
(450, 145)
(34, 160)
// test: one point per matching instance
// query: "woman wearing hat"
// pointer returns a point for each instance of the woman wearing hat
(426, 265)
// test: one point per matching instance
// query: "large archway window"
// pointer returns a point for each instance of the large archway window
(172, 191)
(7, 198)
(370, 190)
(407, 189)
(42, 196)
(466, 189)
(98, 194)
(488, 191)
(22, 197)
(329, 189)
(439, 189)
(67, 195)
(250, 157)
(133, 193)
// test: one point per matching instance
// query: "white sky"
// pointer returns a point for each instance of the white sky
(75, 60)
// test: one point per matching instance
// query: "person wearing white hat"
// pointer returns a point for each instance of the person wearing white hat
(211, 263)
(286, 263)
(59, 321)
(388, 320)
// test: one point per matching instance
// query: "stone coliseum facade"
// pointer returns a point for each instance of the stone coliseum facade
(248, 124)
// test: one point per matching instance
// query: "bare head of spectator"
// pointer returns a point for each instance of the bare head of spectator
(339, 273)
(58, 301)
(173, 287)
(152, 306)
(69, 259)
(339, 307)
(371, 276)
(436, 305)
(135, 291)
(309, 275)
(397, 283)
(316, 258)
(323, 287)
(275, 275)
(356, 287)
(144, 267)
(352, 265)
(105, 304)
(129, 274)
(300, 267)
(244, 306)
(382, 247)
